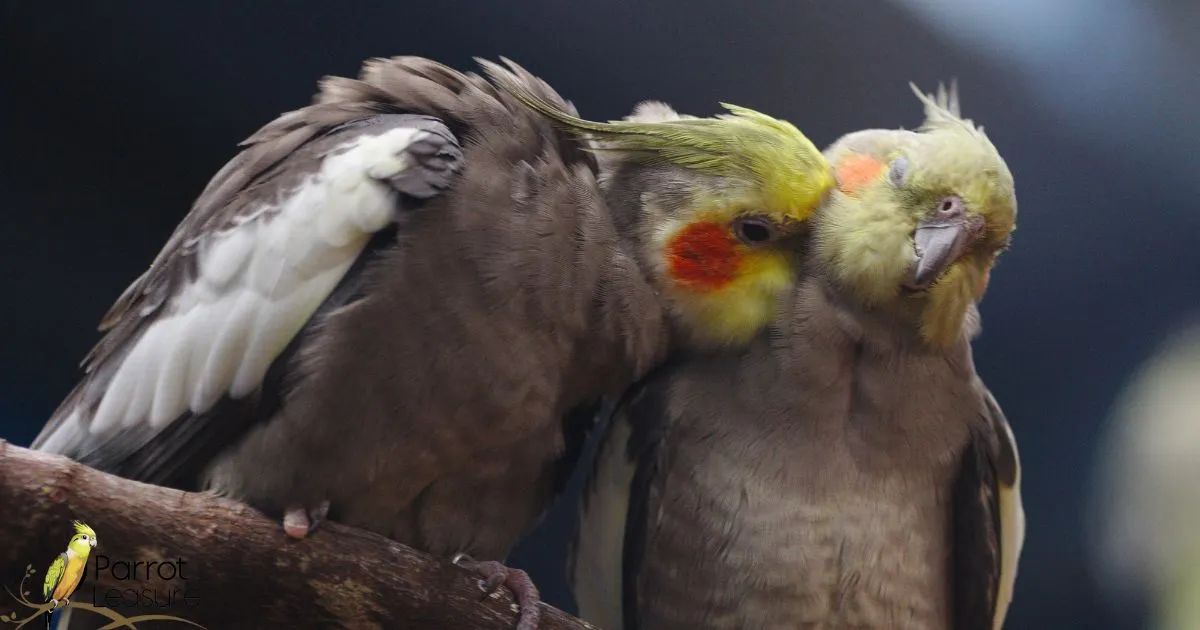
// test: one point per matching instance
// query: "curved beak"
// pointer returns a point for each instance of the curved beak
(940, 241)
(92, 541)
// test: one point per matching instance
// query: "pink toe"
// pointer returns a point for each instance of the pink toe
(296, 523)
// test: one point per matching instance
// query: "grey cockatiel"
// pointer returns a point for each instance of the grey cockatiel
(385, 305)
(848, 469)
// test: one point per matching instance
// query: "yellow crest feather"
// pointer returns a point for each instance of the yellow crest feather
(942, 110)
(770, 154)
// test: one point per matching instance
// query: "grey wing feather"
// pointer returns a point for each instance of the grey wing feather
(621, 484)
(272, 165)
(647, 413)
(984, 518)
(1012, 510)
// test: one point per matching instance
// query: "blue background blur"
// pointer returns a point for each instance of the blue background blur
(113, 115)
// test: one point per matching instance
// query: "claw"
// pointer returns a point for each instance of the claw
(496, 574)
(299, 522)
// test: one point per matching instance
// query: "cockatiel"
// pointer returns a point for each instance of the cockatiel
(382, 309)
(848, 469)
(66, 571)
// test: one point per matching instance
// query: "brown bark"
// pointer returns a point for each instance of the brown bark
(238, 570)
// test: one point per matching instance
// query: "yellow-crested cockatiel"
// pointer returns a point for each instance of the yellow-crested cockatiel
(848, 469)
(382, 309)
(66, 570)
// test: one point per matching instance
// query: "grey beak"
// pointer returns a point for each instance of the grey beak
(939, 241)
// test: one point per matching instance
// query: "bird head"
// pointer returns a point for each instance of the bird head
(84, 539)
(713, 205)
(918, 219)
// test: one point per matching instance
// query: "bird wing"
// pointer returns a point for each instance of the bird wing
(595, 557)
(618, 503)
(989, 523)
(53, 574)
(578, 426)
(270, 241)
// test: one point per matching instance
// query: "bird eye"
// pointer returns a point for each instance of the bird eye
(898, 172)
(951, 206)
(753, 231)
(85, 538)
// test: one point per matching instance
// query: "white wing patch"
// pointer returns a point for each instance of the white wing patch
(257, 285)
(601, 543)
(1012, 535)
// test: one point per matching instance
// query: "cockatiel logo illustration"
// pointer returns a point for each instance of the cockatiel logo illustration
(63, 577)
(66, 571)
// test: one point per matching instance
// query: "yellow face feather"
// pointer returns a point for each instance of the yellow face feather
(733, 314)
(723, 289)
(744, 165)
(84, 539)
(888, 182)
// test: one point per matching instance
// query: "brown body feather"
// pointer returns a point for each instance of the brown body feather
(835, 475)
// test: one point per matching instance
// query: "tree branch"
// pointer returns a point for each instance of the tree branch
(236, 567)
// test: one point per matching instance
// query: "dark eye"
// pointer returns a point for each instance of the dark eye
(753, 231)
(951, 206)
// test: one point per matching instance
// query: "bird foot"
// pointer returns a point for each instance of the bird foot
(299, 522)
(495, 575)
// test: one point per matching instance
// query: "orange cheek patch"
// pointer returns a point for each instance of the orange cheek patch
(855, 171)
(703, 257)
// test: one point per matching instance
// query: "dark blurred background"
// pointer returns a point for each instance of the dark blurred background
(113, 116)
